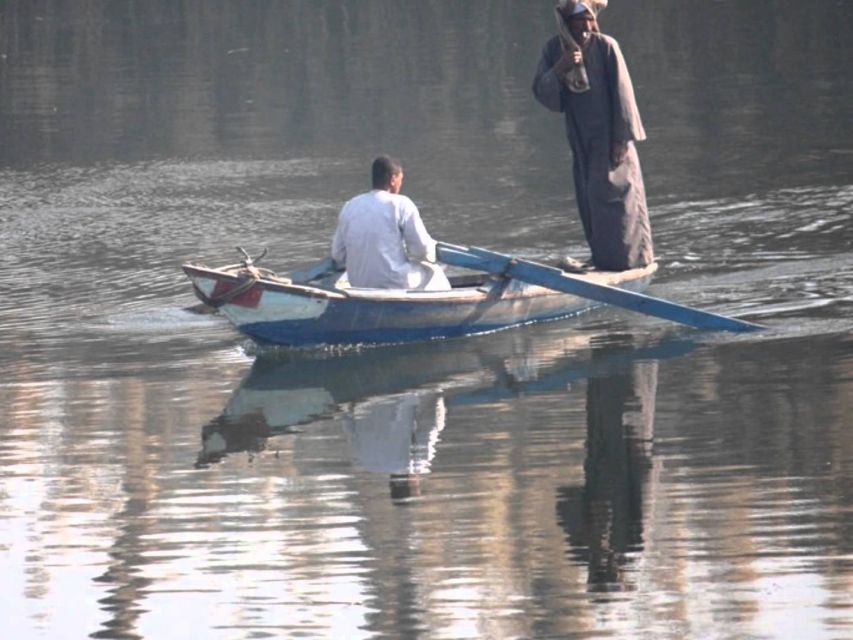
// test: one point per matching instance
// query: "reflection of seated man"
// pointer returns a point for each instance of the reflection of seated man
(381, 240)
(396, 435)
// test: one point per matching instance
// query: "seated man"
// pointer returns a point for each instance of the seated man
(381, 240)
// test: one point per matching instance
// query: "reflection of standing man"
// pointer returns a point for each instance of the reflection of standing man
(582, 73)
(605, 519)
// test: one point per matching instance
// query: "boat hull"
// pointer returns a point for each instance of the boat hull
(280, 312)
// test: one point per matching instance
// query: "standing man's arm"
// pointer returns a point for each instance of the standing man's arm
(547, 86)
(627, 126)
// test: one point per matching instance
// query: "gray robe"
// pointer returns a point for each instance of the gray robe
(612, 203)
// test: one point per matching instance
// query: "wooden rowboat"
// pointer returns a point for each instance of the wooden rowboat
(308, 309)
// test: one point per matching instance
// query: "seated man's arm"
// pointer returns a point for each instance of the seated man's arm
(419, 244)
(339, 249)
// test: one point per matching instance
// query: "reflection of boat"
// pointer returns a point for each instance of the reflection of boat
(382, 387)
(395, 406)
(310, 309)
(278, 395)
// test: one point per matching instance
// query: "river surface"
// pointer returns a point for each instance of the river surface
(610, 476)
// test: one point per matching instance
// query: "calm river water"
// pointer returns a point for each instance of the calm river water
(612, 476)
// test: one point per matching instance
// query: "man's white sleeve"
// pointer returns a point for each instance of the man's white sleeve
(419, 244)
(339, 250)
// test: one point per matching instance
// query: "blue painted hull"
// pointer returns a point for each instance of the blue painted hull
(280, 312)
(360, 322)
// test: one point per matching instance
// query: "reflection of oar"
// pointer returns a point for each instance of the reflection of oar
(552, 278)
(568, 370)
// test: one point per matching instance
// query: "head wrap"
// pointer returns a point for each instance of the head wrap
(578, 6)
(576, 78)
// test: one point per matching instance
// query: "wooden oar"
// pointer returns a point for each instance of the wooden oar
(553, 278)
(304, 275)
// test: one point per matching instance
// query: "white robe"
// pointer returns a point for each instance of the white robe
(396, 434)
(381, 240)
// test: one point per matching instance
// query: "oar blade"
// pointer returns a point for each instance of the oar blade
(556, 279)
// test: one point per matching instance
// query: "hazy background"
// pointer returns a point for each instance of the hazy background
(611, 476)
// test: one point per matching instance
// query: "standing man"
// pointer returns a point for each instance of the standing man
(582, 73)
(381, 240)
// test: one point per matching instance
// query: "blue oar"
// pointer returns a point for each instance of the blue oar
(552, 278)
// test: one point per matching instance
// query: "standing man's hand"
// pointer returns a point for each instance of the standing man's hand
(568, 60)
(617, 154)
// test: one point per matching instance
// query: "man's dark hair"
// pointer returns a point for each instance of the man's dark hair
(383, 168)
